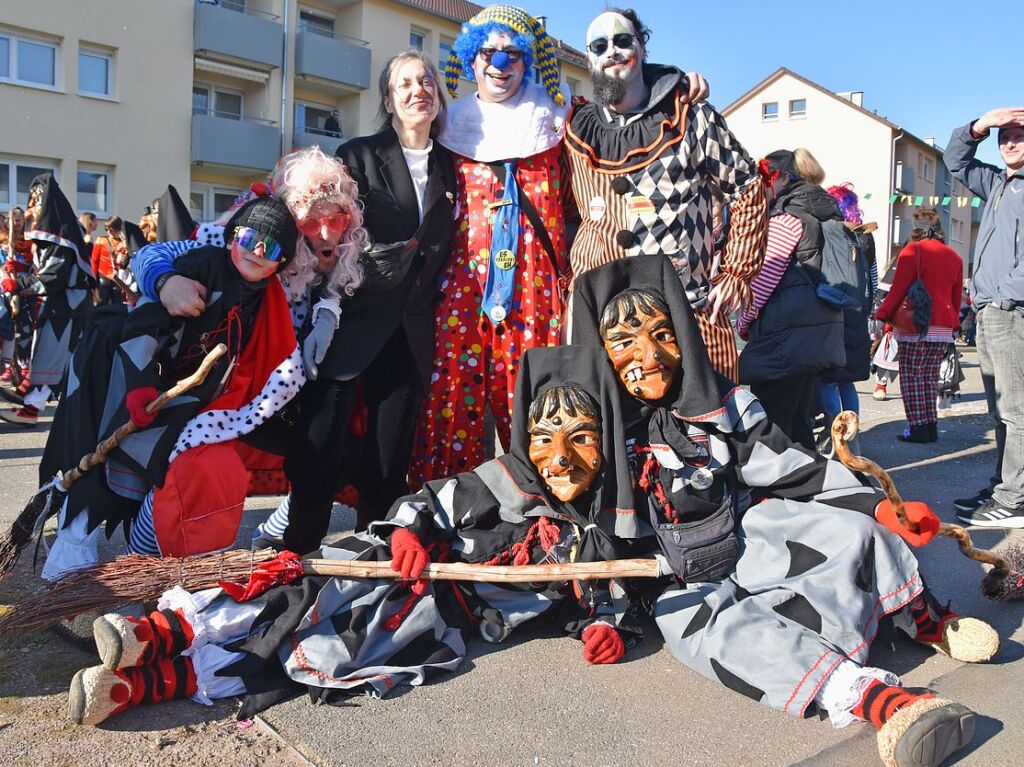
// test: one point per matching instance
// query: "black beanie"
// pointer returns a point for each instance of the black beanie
(271, 218)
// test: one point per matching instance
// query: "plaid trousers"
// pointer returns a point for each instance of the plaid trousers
(919, 379)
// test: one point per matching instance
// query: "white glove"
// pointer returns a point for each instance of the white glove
(316, 343)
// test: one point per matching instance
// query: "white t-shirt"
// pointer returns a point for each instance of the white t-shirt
(417, 160)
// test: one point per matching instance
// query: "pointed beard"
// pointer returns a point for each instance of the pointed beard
(608, 90)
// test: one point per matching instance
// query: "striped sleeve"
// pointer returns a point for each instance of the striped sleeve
(784, 232)
(155, 260)
(743, 253)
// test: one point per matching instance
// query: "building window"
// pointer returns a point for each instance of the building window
(28, 62)
(417, 38)
(309, 21)
(207, 203)
(312, 118)
(94, 73)
(217, 101)
(770, 110)
(574, 85)
(798, 108)
(94, 189)
(925, 168)
(233, 5)
(444, 49)
(17, 175)
(957, 231)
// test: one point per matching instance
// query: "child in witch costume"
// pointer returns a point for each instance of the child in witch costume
(178, 479)
(61, 278)
(779, 554)
(562, 488)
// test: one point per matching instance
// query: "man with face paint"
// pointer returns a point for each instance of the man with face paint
(557, 494)
(784, 561)
(644, 163)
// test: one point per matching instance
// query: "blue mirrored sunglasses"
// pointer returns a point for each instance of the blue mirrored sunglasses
(250, 238)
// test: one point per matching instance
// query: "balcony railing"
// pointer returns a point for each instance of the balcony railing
(307, 137)
(234, 141)
(243, 37)
(338, 60)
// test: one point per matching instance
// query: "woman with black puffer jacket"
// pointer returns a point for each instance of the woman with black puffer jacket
(792, 335)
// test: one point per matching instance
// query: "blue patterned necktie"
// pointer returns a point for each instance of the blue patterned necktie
(501, 271)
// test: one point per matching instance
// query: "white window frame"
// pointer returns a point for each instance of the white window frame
(765, 117)
(315, 105)
(105, 170)
(793, 114)
(99, 54)
(12, 164)
(211, 90)
(13, 39)
(421, 32)
(956, 230)
(209, 191)
(926, 168)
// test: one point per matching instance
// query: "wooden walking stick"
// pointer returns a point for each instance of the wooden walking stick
(1005, 581)
(48, 499)
(135, 577)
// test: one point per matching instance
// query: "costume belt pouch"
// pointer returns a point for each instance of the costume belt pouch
(501, 271)
(703, 550)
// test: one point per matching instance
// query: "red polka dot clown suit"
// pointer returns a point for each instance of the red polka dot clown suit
(501, 292)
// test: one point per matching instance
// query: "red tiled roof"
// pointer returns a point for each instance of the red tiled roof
(461, 10)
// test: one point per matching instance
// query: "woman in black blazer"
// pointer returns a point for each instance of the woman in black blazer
(385, 338)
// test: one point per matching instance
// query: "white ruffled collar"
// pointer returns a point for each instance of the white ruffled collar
(527, 124)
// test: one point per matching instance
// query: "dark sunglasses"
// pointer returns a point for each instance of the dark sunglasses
(514, 54)
(622, 40)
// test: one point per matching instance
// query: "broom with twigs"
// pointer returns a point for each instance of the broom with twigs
(50, 497)
(1004, 582)
(134, 578)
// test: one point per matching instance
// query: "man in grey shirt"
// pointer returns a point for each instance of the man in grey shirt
(998, 295)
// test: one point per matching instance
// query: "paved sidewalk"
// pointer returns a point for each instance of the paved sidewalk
(533, 701)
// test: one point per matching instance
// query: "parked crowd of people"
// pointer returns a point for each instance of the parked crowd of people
(572, 276)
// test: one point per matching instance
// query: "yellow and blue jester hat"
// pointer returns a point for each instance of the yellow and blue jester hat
(527, 34)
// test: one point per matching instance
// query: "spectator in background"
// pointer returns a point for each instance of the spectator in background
(941, 271)
(837, 390)
(792, 335)
(107, 251)
(332, 125)
(998, 295)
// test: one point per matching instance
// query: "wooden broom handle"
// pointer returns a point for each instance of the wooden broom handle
(459, 571)
(844, 428)
(99, 455)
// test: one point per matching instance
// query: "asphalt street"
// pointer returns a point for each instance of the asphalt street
(534, 701)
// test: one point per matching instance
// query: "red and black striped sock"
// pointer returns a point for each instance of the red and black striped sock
(880, 702)
(167, 632)
(167, 679)
(928, 628)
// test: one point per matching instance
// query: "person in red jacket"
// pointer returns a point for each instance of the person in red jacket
(920, 353)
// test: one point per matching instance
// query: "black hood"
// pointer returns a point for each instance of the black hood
(134, 238)
(57, 222)
(174, 222)
(611, 497)
(699, 390)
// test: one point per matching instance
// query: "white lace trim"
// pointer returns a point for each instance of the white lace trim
(844, 688)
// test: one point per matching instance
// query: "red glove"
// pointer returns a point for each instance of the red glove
(919, 513)
(408, 557)
(9, 285)
(284, 568)
(136, 402)
(602, 644)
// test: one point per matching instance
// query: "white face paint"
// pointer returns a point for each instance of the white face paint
(613, 47)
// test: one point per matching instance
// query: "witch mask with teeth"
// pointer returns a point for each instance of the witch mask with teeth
(638, 335)
(565, 440)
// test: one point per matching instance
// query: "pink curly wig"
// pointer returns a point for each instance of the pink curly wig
(306, 176)
(849, 203)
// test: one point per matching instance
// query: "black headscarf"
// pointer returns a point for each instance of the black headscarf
(173, 222)
(134, 237)
(612, 506)
(57, 222)
(698, 391)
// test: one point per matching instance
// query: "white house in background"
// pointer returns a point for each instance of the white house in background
(853, 144)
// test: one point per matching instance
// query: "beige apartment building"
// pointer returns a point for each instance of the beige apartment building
(856, 145)
(122, 97)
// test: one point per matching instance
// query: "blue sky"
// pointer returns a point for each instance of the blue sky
(928, 67)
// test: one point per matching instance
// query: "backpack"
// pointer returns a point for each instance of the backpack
(845, 272)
